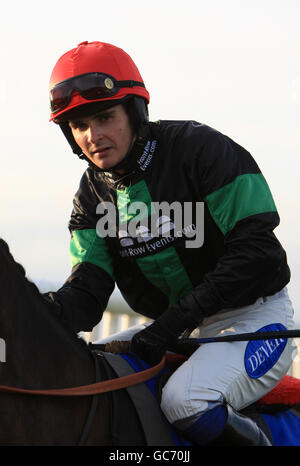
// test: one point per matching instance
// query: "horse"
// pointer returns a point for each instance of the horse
(37, 352)
(40, 352)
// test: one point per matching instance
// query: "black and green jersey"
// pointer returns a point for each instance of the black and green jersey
(238, 260)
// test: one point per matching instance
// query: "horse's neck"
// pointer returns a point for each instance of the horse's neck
(39, 351)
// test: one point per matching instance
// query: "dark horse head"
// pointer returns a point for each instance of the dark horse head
(40, 353)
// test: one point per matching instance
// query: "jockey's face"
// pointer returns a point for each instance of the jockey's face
(105, 137)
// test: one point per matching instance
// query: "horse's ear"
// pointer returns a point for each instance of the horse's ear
(4, 247)
(6, 254)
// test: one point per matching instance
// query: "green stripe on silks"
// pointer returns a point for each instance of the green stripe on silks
(128, 199)
(165, 271)
(245, 196)
(87, 246)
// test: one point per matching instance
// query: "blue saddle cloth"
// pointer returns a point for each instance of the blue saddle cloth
(284, 426)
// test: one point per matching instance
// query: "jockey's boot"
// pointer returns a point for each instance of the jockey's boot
(223, 426)
(240, 430)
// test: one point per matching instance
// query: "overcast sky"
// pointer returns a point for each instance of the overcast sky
(234, 65)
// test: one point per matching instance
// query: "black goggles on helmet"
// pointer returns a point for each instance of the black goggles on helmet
(91, 86)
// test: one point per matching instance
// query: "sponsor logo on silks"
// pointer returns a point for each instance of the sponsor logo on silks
(145, 160)
(262, 355)
(146, 233)
(164, 226)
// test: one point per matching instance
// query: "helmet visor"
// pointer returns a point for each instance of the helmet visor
(91, 86)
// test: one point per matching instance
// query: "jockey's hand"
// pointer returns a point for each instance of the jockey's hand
(152, 342)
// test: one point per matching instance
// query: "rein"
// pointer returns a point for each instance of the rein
(94, 388)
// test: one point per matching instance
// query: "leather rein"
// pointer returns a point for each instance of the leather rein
(94, 388)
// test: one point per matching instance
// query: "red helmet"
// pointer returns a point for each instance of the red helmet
(93, 72)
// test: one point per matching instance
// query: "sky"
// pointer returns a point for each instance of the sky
(234, 65)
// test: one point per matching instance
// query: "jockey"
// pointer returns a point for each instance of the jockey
(181, 219)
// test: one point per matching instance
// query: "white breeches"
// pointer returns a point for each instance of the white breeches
(237, 373)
